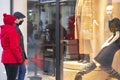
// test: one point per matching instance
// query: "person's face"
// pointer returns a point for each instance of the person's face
(109, 9)
(19, 21)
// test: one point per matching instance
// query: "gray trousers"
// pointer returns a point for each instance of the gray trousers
(91, 66)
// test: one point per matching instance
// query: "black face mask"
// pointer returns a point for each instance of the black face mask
(20, 22)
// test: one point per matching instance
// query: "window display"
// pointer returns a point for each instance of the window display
(92, 30)
(86, 25)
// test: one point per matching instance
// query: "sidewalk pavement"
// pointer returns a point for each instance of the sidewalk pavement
(2, 69)
(33, 72)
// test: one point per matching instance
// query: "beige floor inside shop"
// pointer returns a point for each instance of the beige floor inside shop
(72, 67)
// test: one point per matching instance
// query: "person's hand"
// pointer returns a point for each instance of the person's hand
(26, 62)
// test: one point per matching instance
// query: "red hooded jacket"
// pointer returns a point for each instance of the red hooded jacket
(71, 26)
(10, 41)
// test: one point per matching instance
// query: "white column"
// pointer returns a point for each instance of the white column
(21, 6)
(4, 8)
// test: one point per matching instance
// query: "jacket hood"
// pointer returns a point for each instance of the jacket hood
(9, 19)
(5, 29)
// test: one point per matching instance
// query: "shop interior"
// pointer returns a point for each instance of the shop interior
(90, 25)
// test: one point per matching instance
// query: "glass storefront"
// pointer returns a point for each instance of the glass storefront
(42, 32)
(83, 26)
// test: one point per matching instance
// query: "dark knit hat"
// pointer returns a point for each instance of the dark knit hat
(19, 15)
(9, 19)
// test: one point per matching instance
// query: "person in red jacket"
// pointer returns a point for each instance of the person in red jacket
(10, 42)
(70, 28)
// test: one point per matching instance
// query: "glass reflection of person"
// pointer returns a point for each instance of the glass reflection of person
(106, 55)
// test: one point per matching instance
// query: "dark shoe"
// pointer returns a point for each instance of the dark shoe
(88, 68)
(78, 76)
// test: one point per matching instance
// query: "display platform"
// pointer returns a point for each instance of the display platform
(72, 67)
